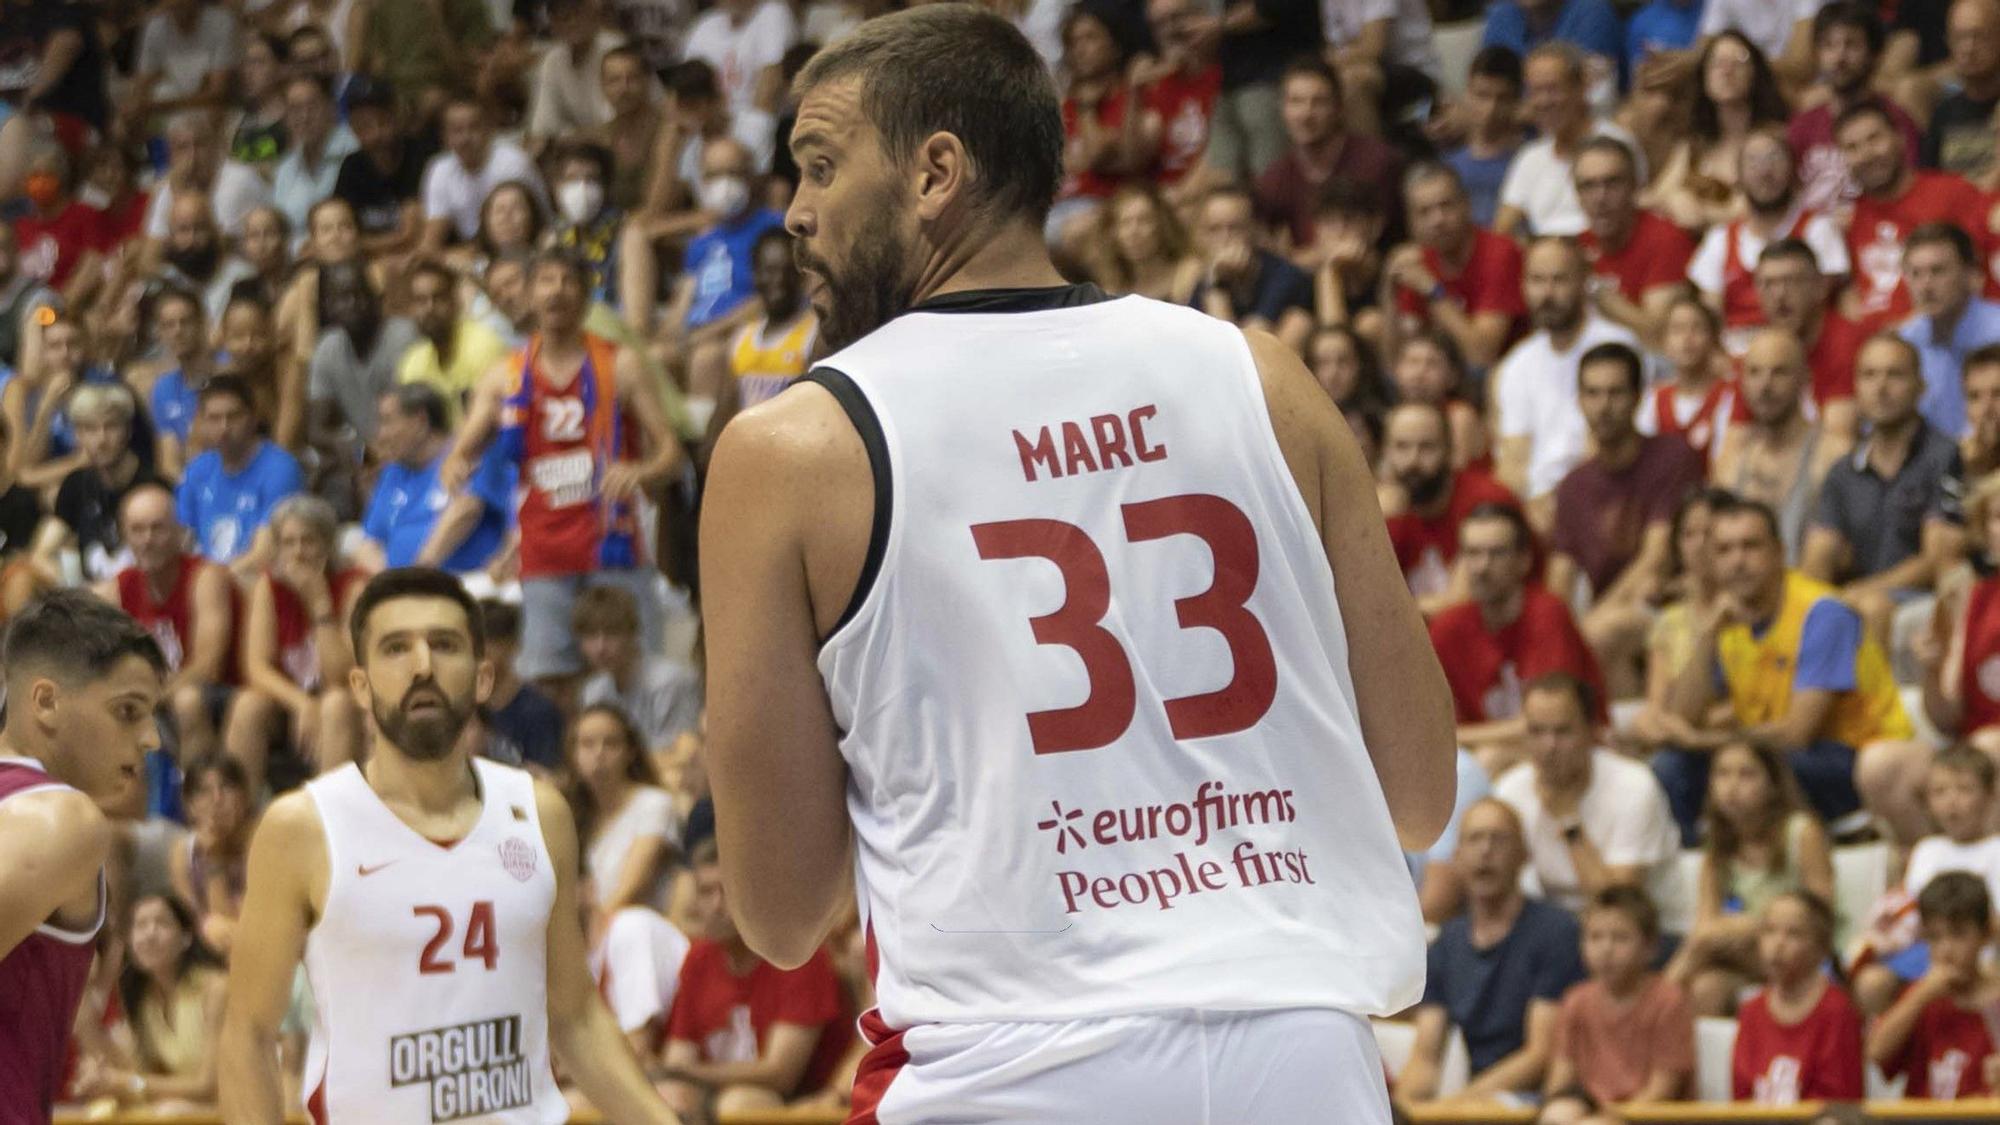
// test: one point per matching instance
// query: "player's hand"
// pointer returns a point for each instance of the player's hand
(621, 481)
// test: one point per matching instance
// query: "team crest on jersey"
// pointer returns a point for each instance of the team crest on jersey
(518, 857)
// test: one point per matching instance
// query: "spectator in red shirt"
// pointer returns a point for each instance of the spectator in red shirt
(56, 232)
(1793, 293)
(1799, 1038)
(1896, 198)
(1614, 513)
(1724, 266)
(1847, 41)
(1452, 274)
(1626, 1034)
(1701, 399)
(1105, 138)
(744, 1034)
(1505, 635)
(1426, 499)
(1315, 120)
(1180, 87)
(1936, 1034)
(1638, 260)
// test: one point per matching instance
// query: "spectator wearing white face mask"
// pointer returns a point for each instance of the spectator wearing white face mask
(589, 221)
(712, 297)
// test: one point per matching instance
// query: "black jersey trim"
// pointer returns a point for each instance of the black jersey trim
(862, 415)
(1015, 300)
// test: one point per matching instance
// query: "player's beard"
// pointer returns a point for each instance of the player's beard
(871, 291)
(424, 738)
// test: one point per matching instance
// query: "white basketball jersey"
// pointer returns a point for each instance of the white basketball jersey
(1095, 698)
(428, 966)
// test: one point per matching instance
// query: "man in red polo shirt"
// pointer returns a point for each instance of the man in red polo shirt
(1453, 274)
(1793, 294)
(1896, 198)
(1506, 635)
(1425, 500)
(744, 1034)
(1182, 89)
(1638, 260)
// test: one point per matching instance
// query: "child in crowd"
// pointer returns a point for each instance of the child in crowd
(661, 696)
(207, 872)
(1958, 793)
(1936, 1035)
(1799, 1038)
(1761, 843)
(523, 727)
(1626, 1034)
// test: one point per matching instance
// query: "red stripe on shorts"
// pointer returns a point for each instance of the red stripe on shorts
(316, 1105)
(879, 1067)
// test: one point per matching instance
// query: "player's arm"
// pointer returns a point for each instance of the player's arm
(287, 855)
(582, 1032)
(772, 740)
(1403, 700)
(55, 842)
(482, 418)
(788, 1048)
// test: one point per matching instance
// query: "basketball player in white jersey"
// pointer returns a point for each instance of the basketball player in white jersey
(1075, 622)
(434, 899)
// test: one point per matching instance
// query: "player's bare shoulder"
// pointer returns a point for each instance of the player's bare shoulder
(291, 843)
(802, 427)
(1304, 419)
(61, 826)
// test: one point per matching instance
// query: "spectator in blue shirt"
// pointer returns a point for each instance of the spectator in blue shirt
(411, 519)
(181, 326)
(1493, 118)
(1591, 26)
(523, 727)
(229, 491)
(1951, 321)
(715, 281)
(1497, 972)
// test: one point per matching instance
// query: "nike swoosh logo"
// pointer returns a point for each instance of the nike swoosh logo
(365, 870)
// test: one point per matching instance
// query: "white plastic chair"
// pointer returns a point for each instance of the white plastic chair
(1456, 44)
(1860, 875)
(1395, 1040)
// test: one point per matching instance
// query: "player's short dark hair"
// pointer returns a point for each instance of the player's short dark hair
(557, 257)
(225, 386)
(423, 399)
(1792, 248)
(1961, 758)
(73, 635)
(1603, 143)
(1944, 234)
(502, 620)
(1612, 351)
(1497, 62)
(401, 582)
(1956, 898)
(1312, 65)
(1634, 904)
(958, 69)
(1866, 107)
(1851, 14)
(1563, 683)
(1504, 513)
(1731, 504)
(605, 609)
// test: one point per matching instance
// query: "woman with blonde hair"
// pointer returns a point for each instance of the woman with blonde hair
(1138, 245)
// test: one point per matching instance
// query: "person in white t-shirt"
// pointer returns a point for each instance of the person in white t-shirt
(473, 163)
(1958, 793)
(625, 820)
(1592, 818)
(187, 53)
(1369, 37)
(195, 162)
(1782, 29)
(1538, 195)
(568, 92)
(742, 39)
(1542, 435)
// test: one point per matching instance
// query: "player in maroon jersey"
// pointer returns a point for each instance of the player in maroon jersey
(82, 682)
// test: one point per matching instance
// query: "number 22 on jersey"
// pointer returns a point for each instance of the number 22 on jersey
(1107, 711)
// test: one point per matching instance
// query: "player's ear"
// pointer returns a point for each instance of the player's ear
(44, 696)
(943, 175)
(357, 686)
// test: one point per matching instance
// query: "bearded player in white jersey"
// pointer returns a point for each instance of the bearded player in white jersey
(1073, 621)
(433, 898)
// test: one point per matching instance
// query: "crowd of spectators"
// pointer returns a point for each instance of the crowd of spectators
(1672, 330)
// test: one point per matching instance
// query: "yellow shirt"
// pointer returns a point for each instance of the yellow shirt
(1761, 672)
(475, 348)
(763, 364)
